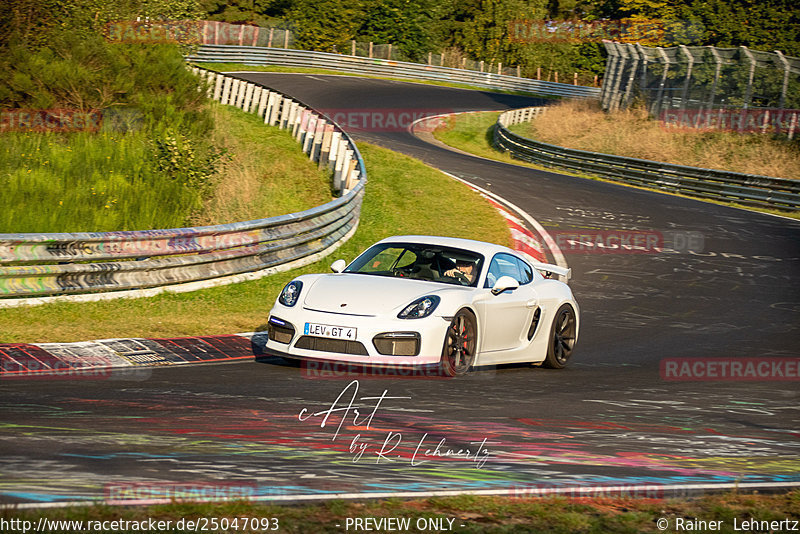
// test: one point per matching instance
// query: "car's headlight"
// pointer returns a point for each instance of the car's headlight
(291, 293)
(420, 308)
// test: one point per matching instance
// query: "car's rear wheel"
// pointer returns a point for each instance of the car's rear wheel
(460, 344)
(562, 338)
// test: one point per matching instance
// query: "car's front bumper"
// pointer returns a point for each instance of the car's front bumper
(373, 336)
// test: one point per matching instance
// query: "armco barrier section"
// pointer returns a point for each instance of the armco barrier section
(252, 55)
(746, 189)
(34, 265)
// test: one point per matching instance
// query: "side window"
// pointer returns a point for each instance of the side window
(502, 265)
(525, 271)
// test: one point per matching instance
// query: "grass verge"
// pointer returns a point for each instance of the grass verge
(266, 174)
(472, 133)
(87, 182)
(469, 514)
(403, 196)
(582, 125)
(111, 180)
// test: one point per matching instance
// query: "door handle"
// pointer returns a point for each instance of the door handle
(530, 303)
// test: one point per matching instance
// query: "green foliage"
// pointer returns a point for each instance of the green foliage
(86, 182)
(150, 164)
(179, 159)
(405, 23)
(325, 25)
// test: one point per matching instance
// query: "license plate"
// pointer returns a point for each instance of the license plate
(326, 330)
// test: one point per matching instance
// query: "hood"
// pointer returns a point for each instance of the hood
(363, 294)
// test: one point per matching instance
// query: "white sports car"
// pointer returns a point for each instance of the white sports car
(429, 301)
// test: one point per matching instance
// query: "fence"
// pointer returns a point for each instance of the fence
(250, 55)
(703, 86)
(214, 32)
(746, 189)
(38, 265)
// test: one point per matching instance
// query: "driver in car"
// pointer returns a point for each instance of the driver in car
(464, 270)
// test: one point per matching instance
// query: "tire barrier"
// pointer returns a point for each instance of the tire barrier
(252, 55)
(746, 189)
(37, 265)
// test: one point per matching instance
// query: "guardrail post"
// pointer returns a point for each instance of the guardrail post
(325, 148)
(316, 149)
(248, 97)
(226, 90)
(233, 100)
(276, 105)
(255, 103)
(302, 126)
(312, 126)
(295, 112)
(218, 87)
(351, 175)
(262, 102)
(286, 107)
(336, 140)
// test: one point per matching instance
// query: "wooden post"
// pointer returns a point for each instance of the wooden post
(792, 125)
(370, 49)
(389, 54)
(519, 72)
(575, 78)
(353, 47)
(271, 33)
(500, 68)
(430, 58)
(286, 38)
(538, 73)
(595, 80)
(481, 65)
(556, 78)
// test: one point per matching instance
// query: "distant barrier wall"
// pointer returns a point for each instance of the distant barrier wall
(251, 55)
(746, 189)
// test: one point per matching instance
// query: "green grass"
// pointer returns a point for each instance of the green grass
(242, 67)
(111, 181)
(476, 514)
(86, 182)
(265, 174)
(403, 196)
(472, 133)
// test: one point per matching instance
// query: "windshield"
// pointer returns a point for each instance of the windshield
(432, 263)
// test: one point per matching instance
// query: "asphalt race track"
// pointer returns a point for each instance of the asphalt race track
(633, 407)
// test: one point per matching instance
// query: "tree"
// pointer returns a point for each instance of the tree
(405, 23)
(325, 24)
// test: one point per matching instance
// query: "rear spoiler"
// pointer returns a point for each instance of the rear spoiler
(548, 269)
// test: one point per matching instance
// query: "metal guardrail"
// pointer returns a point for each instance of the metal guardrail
(34, 265)
(746, 189)
(251, 55)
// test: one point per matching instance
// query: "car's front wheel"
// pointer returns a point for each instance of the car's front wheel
(460, 344)
(562, 338)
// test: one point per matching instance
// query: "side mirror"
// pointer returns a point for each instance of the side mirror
(338, 266)
(504, 283)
